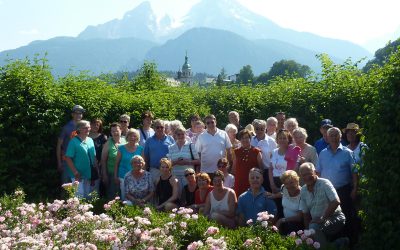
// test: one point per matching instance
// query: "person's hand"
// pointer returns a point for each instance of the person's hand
(319, 220)
(274, 189)
(301, 160)
(269, 195)
(77, 176)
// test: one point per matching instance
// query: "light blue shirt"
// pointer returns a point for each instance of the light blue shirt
(250, 205)
(336, 167)
(155, 149)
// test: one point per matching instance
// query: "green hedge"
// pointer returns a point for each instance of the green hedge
(381, 198)
(34, 106)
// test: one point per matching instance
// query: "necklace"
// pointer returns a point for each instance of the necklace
(246, 152)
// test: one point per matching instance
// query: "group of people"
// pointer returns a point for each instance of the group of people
(228, 175)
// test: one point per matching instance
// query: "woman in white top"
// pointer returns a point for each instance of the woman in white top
(229, 179)
(221, 202)
(293, 219)
(278, 165)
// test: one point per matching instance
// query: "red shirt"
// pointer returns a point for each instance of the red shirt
(197, 198)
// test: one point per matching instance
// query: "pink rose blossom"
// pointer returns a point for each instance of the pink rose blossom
(316, 245)
(309, 241)
(298, 242)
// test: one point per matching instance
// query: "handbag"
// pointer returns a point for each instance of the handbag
(196, 166)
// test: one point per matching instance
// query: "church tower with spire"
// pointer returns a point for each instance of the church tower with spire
(186, 74)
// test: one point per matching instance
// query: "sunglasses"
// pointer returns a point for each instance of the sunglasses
(210, 122)
(158, 127)
(222, 165)
(123, 121)
(186, 175)
(260, 129)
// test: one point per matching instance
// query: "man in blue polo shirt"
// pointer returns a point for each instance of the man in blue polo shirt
(336, 163)
(322, 142)
(156, 147)
(254, 201)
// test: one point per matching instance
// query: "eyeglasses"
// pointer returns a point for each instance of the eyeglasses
(210, 122)
(222, 165)
(186, 175)
(260, 129)
(283, 130)
(123, 121)
(180, 134)
(158, 127)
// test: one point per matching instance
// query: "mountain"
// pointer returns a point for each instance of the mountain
(95, 55)
(209, 50)
(140, 22)
(222, 14)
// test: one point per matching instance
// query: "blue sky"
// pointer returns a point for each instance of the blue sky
(368, 23)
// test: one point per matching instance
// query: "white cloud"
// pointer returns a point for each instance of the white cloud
(29, 32)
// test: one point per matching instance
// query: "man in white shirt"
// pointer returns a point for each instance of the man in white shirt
(212, 145)
(266, 144)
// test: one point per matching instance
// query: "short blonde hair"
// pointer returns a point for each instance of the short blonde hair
(166, 162)
(289, 175)
(301, 131)
(231, 126)
(291, 121)
(137, 157)
(135, 132)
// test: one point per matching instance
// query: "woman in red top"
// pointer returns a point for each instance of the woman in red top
(245, 158)
(203, 182)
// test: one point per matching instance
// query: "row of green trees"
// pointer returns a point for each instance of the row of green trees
(34, 106)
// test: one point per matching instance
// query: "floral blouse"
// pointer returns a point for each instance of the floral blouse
(138, 188)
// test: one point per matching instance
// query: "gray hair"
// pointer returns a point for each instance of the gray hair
(137, 157)
(175, 124)
(333, 130)
(306, 165)
(259, 123)
(291, 120)
(272, 120)
(233, 113)
(180, 129)
(231, 126)
(160, 122)
(82, 123)
(126, 116)
(301, 131)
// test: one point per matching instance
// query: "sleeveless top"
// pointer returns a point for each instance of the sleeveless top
(112, 154)
(126, 156)
(164, 190)
(246, 159)
(99, 141)
(221, 205)
(189, 196)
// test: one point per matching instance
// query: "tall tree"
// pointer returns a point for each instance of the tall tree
(246, 75)
(383, 54)
(288, 67)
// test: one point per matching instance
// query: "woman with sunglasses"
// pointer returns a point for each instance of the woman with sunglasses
(188, 192)
(124, 121)
(183, 155)
(229, 179)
